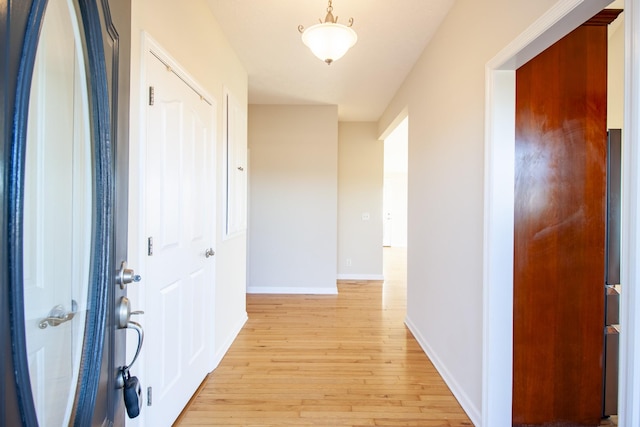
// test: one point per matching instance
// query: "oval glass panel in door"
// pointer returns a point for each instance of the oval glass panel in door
(57, 214)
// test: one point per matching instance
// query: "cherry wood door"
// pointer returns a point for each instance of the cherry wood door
(559, 241)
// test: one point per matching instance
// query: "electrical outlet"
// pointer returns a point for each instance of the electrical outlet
(348, 262)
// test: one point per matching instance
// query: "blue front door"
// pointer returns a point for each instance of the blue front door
(64, 86)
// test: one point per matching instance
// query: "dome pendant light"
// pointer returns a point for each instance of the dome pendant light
(329, 40)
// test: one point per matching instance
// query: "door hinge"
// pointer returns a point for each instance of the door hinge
(151, 95)
(149, 394)
(150, 246)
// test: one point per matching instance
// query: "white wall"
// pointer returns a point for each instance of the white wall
(293, 199)
(445, 97)
(190, 34)
(360, 181)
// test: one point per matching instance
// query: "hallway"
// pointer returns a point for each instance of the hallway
(340, 360)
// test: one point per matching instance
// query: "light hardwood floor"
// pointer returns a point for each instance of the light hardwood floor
(344, 360)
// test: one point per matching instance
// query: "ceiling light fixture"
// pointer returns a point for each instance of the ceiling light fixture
(329, 40)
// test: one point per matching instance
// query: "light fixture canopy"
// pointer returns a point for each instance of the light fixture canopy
(329, 40)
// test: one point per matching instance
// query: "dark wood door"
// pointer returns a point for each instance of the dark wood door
(559, 240)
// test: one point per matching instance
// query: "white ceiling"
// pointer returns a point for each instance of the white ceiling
(391, 36)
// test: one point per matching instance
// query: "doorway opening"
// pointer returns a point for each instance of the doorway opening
(396, 145)
(498, 248)
(394, 231)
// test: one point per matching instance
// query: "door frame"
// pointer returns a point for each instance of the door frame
(499, 163)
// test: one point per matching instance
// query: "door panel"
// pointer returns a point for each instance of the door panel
(560, 232)
(197, 339)
(179, 192)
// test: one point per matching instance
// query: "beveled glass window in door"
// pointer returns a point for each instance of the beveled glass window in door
(58, 196)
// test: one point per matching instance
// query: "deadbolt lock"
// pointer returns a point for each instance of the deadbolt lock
(126, 275)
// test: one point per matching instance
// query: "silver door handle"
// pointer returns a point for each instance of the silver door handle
(209, 253)
(57, 316)
(138, 328)
(124, 313)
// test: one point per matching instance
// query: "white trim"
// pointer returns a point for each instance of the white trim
(403, 114)
(152, 46)
(137, 207)
(284, 290)
(557, 22)
(497, 379)
(376, 277)
(458, 391)
(498, 249)
(629, 369)
(231, 155)
(217, 358)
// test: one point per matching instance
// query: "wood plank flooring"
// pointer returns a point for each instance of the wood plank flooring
(343, 360)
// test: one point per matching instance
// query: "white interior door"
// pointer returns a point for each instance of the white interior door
(57, 216)
(180, 188)
(386, 207)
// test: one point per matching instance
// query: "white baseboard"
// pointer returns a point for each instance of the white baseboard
(217, 358)
(473, 412)
(292, 290)
(376, 277)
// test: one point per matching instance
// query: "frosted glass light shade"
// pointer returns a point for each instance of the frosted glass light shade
(329, 41)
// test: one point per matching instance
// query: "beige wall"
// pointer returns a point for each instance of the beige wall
(360, 181)
(445, 97)
(190, 34)
(293, 199)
